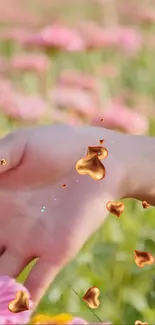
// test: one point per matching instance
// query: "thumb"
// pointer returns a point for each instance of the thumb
(11, 151)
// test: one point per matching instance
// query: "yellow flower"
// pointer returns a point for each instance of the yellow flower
(46, 319)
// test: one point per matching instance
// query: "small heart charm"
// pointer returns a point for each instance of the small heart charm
(3, 162)
(92, 167)
(143, 258)
(145, 205)
(115, 208)
(20, 303)
(91, 297)
(138, 322)
(100, 151)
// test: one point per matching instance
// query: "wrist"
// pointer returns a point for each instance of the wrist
(140, 172)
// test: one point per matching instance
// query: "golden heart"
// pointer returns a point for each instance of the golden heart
(143, 258)
(91, 297)
(138, 322)
(145, 205)
(101, 141)
(92, 167)
(115, 208)
(3, 162)
(20, 303)
(100, 151)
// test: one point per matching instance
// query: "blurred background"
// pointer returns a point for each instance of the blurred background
(77, 62)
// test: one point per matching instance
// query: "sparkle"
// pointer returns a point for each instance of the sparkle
(43, 209)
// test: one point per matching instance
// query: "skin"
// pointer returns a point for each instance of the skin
(39, 161)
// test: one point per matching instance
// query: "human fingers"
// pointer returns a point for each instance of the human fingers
(40, 277)
(11, 151)
(12, 263)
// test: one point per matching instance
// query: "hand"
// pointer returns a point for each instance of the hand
(38, 217)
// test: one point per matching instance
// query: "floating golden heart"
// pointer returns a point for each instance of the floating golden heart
(91, 297)
(143, 258)
(92, 167)
(101, 141)
(145, 205)
(3, 162)
(100, 151)
(20, 303)
(115, 208)
(138, 322)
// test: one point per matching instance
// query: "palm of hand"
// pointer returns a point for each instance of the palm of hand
(40, 218)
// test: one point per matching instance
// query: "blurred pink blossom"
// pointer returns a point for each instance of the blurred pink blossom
(147, 15)
(6, 90)
(57, 37)
(143, 13)
(82, 102)
(21, 107)
(119, 117)
(77, 79)
(17, 12)
(66, 116)
(96, 36)
(124, 38)
(8, 289)
(3, 65)
(15, 34)
(129, 40)
(31, 62)
(78, 321)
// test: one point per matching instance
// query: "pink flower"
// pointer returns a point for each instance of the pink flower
(78, 80)
(6, 90)
(82, 102)
(78, 321)
(126, 39)
(129, 40)
(22, 107)
(65, 116)
(17, 12)
(15, 35)
(31, 62)
(3, 65)
(8, 289)
(57, 37)
(96, 36)
(119, 117)
(147, 15)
